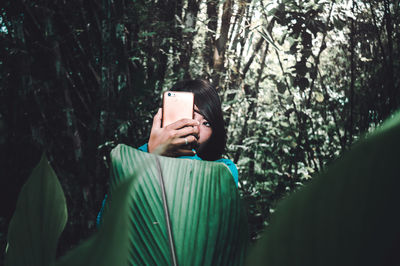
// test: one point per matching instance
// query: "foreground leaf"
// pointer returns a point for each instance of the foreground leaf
(39, 219)
(349, 215)
(110, 245)
(208, 223)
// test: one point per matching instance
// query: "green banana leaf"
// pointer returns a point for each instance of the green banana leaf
(38, 220)
(209, 225)
(349, 215)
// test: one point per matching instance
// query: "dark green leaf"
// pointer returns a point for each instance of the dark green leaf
(110, 245)
(281, 87)
(301, 68)
(293, 48)
(346, 216)
(303, 83)
(208, 223)
(306, 39)
(38, 220)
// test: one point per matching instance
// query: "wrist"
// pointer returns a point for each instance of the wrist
(149, 147)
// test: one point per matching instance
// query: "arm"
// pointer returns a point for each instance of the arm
(232, 167)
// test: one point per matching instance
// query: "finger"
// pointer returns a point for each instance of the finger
(185, 152)
(182, 141)
(187, 131)
(183, 123)
(157, 119)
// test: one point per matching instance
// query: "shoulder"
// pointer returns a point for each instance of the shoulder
(144, 148)
(232, 167)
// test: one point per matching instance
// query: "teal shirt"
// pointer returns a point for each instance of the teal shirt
(232, 167)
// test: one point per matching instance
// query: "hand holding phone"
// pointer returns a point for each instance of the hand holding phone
(174, 139)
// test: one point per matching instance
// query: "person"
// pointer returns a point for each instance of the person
(205, 133)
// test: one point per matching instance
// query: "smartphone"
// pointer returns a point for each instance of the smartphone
(177, 105)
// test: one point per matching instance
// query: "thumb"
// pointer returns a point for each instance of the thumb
(157, 119)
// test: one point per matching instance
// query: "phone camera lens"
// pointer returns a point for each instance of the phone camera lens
(169, 94)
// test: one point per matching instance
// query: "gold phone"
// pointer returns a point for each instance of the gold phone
(176, 106)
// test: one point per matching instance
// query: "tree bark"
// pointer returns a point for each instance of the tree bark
(389, 82)
(188, 36)
(212, 17)
(352, 79)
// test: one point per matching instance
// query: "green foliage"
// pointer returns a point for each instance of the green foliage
(311, 98)
(299, 82)
(345, 216)
(110, 245)
(208, 222)
(39, 219)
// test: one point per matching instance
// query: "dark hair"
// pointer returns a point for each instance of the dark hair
(207, 100)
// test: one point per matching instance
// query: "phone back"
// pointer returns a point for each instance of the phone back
(177, 105)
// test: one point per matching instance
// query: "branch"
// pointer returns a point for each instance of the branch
(321, 48)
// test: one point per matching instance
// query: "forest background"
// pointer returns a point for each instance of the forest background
(300, 81)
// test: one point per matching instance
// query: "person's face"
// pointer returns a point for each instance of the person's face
(205, 129)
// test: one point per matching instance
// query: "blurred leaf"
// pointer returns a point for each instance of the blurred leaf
(283, 38)
(293, 48)
(319, 97)
(39, 218)
(339, 23)
(306, 39)
(272, 11)
(110, 245)
(346, 216)
(301, 68)
(303, 83)
(284, 124)
(147, 34)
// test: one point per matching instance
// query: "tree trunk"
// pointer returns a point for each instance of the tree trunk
(211, 32)
(188, 36)
(352, 80)
(389, 82)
